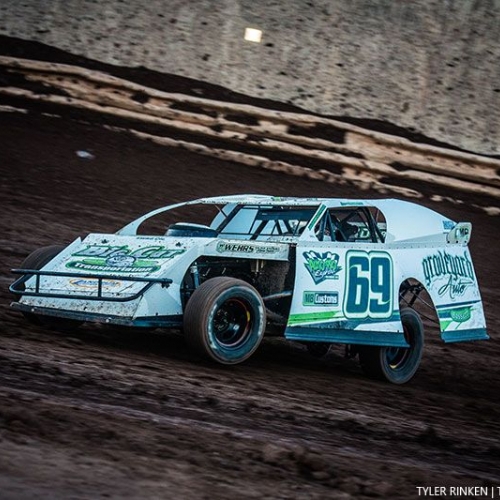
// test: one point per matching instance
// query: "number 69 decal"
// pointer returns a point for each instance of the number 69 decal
(369, 285)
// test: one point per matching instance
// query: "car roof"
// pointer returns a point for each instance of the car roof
(405, 220)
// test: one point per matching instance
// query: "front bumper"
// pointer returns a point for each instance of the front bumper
(172, 321)
(98, 296)
(30, 273)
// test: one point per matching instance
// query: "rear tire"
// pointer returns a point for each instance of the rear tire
(397, 365)
(37, 260)
(225, 320)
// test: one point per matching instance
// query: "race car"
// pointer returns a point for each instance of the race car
(318, 271)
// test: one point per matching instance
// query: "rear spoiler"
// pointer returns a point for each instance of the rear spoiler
(460, 234)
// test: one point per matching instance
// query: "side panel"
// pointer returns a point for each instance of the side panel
(449, 277)
(349, 293)
(346, 293)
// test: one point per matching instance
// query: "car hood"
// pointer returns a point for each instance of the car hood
(95, 273)
(120, 259)
(122, 255)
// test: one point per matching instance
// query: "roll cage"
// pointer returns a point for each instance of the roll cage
(261, 221)
(349, 224)
(340, 224)
(254, 222)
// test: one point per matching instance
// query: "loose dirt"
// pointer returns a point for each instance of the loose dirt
(106, 412)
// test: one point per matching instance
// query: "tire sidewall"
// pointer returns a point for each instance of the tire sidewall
(236, 354)
(41, 256)
(37, 260)
(400, 375)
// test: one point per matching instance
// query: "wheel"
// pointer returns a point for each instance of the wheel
(37, 260)
(41, 256)
(396, 364)
(225, 320)
(318, 349)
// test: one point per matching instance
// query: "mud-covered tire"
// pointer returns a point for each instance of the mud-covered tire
(37, 260)
(396, 364)
(225, 320)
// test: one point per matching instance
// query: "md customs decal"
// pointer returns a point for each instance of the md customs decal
(453, 274)
(323, 266)
(320, 298)
(223, 247)
(121, 259)
(93, 283)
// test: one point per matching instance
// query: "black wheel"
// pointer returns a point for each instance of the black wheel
(318, 349)
(396, 364)
(37, 260)
(225, 320)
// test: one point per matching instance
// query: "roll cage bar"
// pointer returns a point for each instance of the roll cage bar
(289, 220)
(285, 221)
(339, 229)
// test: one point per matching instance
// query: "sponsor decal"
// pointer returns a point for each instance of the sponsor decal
(364, 232)
(93, 283)
(320, 298)
(448, 225)
(461, 315)
(458, 315)
(454, 273)
(224, 246)
(351, 204)
(323, 266)
(122, 259)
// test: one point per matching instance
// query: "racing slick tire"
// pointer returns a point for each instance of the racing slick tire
(225, 320)
(36, 260)
(396, 364)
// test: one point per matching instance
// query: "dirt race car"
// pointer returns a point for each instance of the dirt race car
(318, 271)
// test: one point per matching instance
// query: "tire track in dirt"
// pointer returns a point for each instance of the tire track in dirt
(143, 409)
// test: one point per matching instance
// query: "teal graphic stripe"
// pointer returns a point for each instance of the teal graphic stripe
(322, 316)
(457, 305)
(316, 218)
(465, 335)
(455, 313)
(346, 336)
(331, 319)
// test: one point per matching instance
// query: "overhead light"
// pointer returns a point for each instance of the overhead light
(253, 35)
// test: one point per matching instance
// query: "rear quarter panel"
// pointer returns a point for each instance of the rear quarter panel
(343, 291)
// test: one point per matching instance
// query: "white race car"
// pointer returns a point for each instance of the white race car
(318, 271)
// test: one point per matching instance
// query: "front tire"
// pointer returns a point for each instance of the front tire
(397, 365)
(37, 260)
(225, 320)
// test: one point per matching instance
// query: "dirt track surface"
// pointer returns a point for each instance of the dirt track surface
(97, 412)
